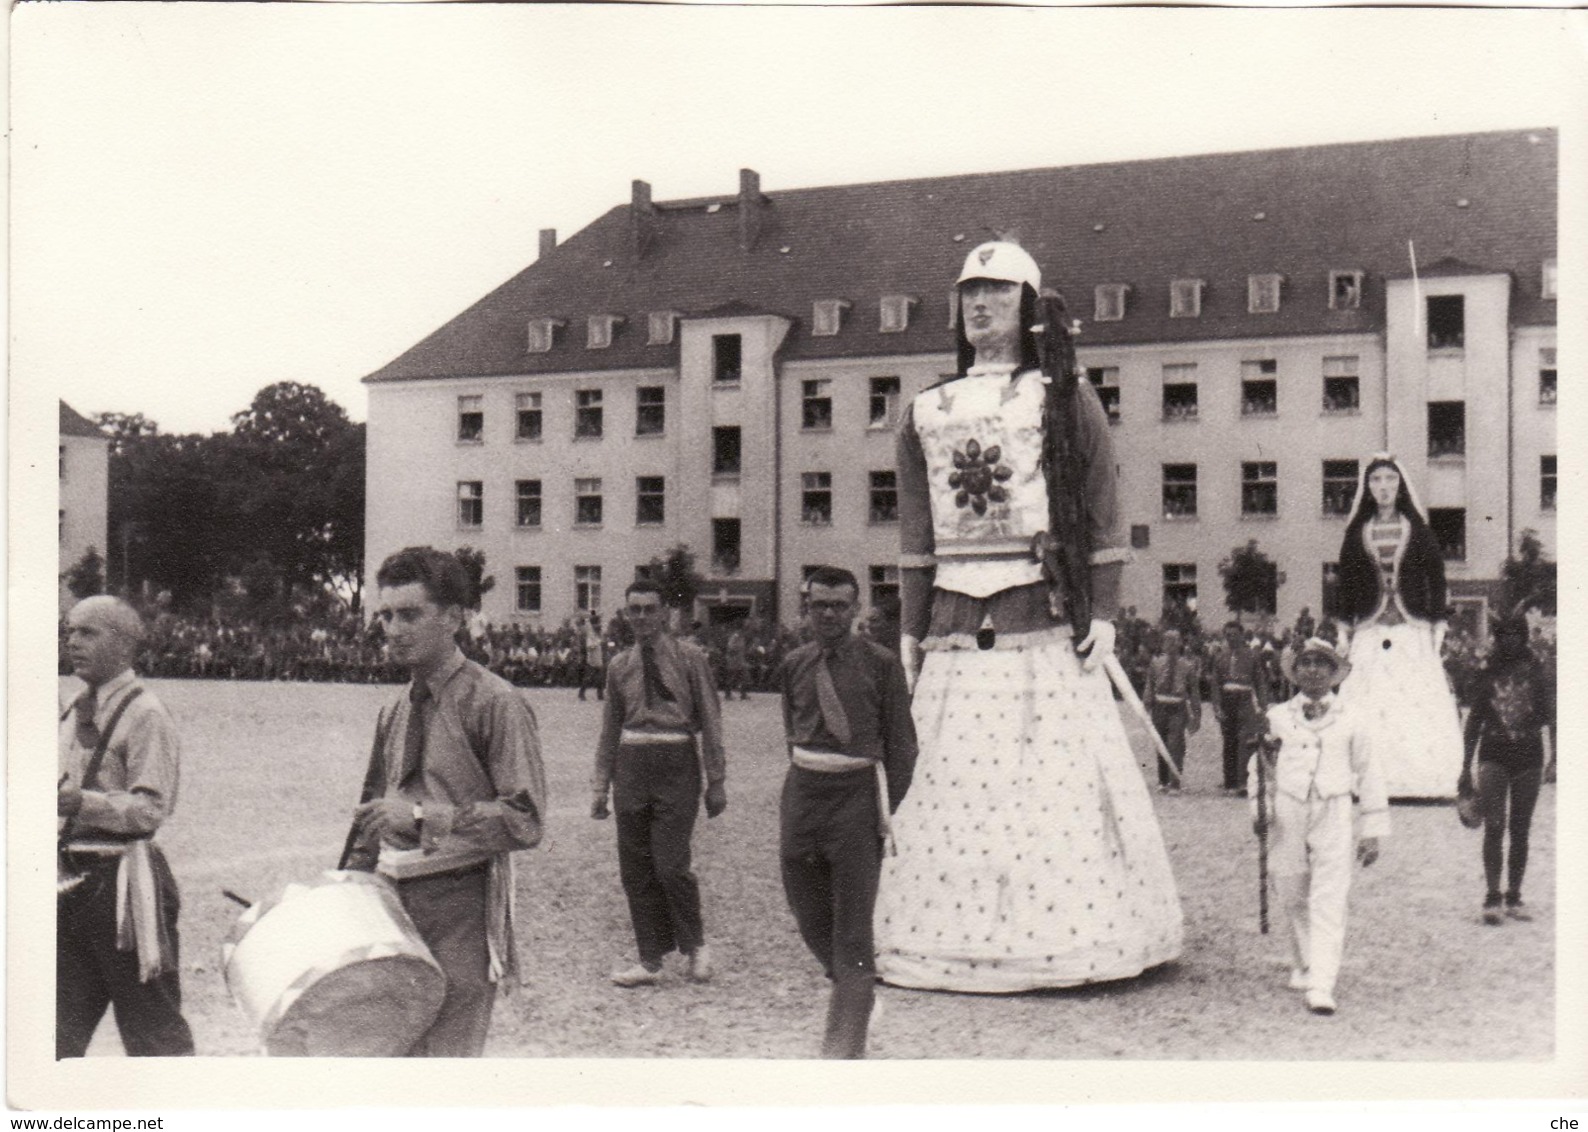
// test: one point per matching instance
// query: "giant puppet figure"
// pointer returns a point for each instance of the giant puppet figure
(1392, 590)
(1028, 854)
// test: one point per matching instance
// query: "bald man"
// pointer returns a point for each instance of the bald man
(116, 913)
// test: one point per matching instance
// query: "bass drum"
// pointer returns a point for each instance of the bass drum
(333, 968)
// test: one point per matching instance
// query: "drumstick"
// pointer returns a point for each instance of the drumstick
(230, 895)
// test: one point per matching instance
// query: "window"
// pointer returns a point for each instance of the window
(1546, 483)
(63, 460)
(1260, 488)
(528, 416)
(587, 414)
(528, 494)
(527, 585)
(1108, 302)
(598, 330)
(587, 502)
(726, 354)
(1449, 525)
(896, 313)
(1447, 322)
(725, 546)
(805, 578)
(884, 586)
(1547, 283)
(725, 450)
(816, 410)
(587, 588)
(660, 326)
(884, 497)
(1345, 290)
(1339, 485)
(1546, 375)
(1185, 298)
(471, 419)
(471, 503)
(1447, 428)
(1262, 294)
(543, 334)
(650, 500)
(1179, 491)
(60, 525)
(816, 498)
(1331, 589)
(1179, 585)
(1106, 381)
(1140, 536)
(1180, 392)
(650, 410)
(1342, 388)
(884, 402)
(827, 315)
(1260, 388)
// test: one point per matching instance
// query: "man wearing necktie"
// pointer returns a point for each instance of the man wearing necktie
(116, 912)
(455, 785)
(852, 749)
(1321, 757)
(660, 695)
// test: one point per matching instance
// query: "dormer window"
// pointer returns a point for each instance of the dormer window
(1108, 303)
(1547, 286)
(1345, 290)
(661, 326)
(543, 334)
(827, 315)
(896, 312)
(1262, 294)
(1185, 298)
(599, 328)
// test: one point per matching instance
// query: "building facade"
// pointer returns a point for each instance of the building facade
(84, 494)
(727, 373)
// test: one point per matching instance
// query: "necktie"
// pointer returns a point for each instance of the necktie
(655, 690)
(414, 736)
(833, 716)
(87, 731)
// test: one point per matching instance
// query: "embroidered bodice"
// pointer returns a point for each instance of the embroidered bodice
(1386, 545)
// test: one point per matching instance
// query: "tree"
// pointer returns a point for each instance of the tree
(1251, 580)
(1528, 578)
(480, 582)
(675, 572)
(86, 576)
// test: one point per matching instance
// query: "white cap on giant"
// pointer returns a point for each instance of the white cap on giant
(1004, 262)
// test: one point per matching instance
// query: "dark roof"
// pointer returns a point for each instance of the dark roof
(1350, 207)
(74, 423)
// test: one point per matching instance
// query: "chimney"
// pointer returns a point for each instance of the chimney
(752, 208)
(548, 241)
(642, 219)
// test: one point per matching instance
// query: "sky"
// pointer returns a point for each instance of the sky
(211, 198)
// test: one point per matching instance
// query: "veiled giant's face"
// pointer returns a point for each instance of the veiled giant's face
(1384, 484)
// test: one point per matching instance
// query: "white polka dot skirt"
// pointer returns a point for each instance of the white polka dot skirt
(1398, 684)
(1028, 854)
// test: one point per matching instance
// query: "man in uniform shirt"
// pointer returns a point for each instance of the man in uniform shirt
(660, 695)
(455, 784)
(852, 747)
(1242, 680)
(116, 912)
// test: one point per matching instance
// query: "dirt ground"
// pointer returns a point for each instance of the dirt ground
(271, 772)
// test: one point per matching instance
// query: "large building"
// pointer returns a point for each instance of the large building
(726, 373)
(84, 494)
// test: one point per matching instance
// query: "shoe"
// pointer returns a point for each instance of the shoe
(1320, 1001)
(701, 967)
(1299, 979)
(638, 975)
(1492, 915)
(1516, 910)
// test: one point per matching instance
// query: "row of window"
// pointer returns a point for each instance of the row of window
(528, 586)
(661, 327)
(1342, 388)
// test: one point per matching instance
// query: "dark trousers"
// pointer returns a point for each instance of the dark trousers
(592, 676)
(449, 909)
(91, 975)
(831, 853)
(656, 796)
(1169, 720)
(1500, 783)
(1235, 716)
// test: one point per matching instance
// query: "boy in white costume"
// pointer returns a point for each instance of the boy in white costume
(1319, 755)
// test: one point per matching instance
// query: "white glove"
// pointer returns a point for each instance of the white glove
(910, 657)
(1099, 643)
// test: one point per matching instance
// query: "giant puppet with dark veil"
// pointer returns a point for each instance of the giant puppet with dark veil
(1027, 852)
(1392, 591)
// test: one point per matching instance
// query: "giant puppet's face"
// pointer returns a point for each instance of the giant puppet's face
(990, 309)
(1384, 484)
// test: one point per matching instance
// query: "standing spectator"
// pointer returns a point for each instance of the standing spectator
(1175, 703)
(736, 665)
(592, 659)
(1243, 692)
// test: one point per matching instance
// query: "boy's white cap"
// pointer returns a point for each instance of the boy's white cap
(1004, 262)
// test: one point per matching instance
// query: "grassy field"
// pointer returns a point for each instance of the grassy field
(271, 772)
